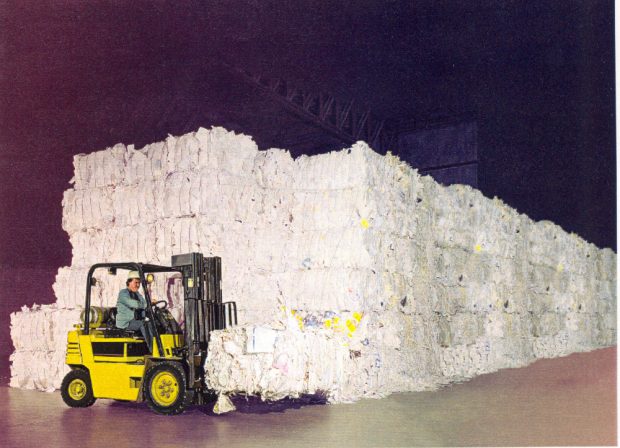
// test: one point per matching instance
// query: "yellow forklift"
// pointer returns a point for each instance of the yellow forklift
(108, 362)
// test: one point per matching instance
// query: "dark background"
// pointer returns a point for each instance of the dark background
(538, 78)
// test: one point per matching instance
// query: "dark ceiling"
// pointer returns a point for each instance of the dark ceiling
(79, 76)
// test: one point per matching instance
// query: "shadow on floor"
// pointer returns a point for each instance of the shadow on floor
(244, 405)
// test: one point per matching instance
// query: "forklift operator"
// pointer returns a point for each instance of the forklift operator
(130, 308)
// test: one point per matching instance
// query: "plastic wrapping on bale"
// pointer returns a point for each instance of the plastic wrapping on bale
(366, 277)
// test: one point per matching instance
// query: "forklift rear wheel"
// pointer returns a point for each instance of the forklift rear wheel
(165, 389)
(76, 389)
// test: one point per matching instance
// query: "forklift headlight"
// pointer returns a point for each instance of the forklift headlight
(150, 278)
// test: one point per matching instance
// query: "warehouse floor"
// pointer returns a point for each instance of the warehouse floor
(564, 401)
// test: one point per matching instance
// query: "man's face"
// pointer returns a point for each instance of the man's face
(134, 285)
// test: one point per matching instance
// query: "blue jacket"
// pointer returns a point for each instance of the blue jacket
(125, 307)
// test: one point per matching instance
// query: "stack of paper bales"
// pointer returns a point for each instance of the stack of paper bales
(39, 336)
(354, 276)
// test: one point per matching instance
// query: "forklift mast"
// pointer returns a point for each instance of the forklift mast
(204, 310)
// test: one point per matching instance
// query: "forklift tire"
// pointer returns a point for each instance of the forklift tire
(76, 389)
(165, 388)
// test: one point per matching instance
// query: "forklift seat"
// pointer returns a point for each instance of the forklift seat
(112, 331)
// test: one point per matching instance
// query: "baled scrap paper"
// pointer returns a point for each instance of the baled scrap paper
(354, 276)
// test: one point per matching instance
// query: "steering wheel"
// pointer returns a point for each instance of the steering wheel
(157, 304)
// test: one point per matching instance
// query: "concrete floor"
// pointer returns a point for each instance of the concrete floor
(565, 401)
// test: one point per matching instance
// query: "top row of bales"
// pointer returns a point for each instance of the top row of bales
(234, 159)
(401, 194)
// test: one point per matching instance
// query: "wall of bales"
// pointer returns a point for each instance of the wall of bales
(354, 276)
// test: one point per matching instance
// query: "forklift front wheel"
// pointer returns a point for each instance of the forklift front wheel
(165, 389)
(76, 389)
